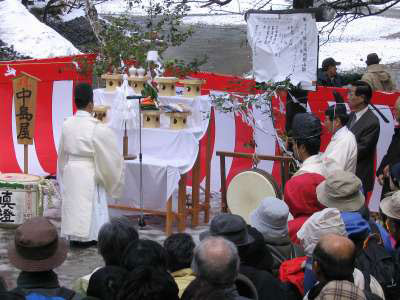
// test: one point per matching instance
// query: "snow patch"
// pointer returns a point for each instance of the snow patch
(28, 35)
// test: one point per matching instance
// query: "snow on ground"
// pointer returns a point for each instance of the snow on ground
(28, 35)
(349, 44)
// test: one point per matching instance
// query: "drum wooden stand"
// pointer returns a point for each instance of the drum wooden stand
(284, 160)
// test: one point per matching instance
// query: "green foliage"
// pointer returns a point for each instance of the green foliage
(179, 68)
(8, 53)
(127, 40)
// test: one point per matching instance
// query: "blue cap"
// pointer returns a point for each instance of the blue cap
(355, 224)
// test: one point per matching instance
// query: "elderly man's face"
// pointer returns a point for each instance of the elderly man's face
(355, 101)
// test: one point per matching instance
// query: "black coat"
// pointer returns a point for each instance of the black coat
(366, 131)
(322, 79)
(392, 156)
(267, 286)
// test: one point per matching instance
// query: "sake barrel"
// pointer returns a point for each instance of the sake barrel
(19, 198)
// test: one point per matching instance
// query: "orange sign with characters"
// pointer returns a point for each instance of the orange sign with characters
(25, 92)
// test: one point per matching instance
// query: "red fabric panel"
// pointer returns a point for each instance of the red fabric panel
(244, 134)
(8, 160)
(44, 140)
(301, 196)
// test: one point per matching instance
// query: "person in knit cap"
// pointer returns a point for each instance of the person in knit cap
(271, 219)
(299, 193)
(377, 76)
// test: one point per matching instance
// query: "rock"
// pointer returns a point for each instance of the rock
(77, 31)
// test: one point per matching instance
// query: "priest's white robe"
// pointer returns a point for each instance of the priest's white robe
(341, 152)
(89, 167)
(312, 164)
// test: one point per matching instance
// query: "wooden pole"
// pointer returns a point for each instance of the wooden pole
(224, 205)
(26, 160)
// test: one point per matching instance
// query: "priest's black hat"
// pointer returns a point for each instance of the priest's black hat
(306, 126)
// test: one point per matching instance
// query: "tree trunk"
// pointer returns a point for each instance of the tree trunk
(91, 15)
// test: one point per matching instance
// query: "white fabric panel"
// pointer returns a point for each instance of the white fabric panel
(385, 137)
(61, 106)
(34, 166)
(283, 45)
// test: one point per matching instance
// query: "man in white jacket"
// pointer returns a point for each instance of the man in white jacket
(341, 153)
(89, 167)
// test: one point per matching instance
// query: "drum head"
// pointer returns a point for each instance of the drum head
(19, 177)
(248, 188)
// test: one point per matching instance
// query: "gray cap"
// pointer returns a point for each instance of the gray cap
(271, 217)
(232, 227)
(306, 126)
(341, 190)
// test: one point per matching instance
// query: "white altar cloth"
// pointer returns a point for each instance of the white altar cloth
(167, 153)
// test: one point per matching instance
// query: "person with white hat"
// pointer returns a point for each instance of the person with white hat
(270, 218)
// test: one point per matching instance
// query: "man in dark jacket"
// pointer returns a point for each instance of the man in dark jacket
(365, 127)
(327, 75)
(392, 155)
(36, 250)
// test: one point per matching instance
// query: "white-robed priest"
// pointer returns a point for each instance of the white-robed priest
(90, 166)
(341, 152)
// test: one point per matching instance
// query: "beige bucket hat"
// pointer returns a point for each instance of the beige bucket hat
(390, 206)
(341, 190)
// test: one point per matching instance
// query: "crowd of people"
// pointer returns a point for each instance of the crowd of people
(319, 242)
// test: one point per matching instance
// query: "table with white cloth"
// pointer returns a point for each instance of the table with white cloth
(168, 156)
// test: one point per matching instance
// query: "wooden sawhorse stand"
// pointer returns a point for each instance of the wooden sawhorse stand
(284, 160)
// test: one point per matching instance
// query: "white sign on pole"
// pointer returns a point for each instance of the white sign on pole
(283, 45)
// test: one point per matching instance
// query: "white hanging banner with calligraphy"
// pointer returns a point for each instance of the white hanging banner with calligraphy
(283, 45)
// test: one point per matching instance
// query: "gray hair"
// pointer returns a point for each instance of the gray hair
(216, 260)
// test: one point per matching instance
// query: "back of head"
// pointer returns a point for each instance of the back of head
(114, 237)
(216, 260)
(306, 130)
(363, 89)
(200, 289)
(148, 283)
(106, 282)
(179, 248)
(335, 256)
(144, 253)
(372, 59)
(337, 111)
(83, 95)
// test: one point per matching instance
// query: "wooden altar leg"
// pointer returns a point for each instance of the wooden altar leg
(208, 177)
(169, 217)
(224, 205)
(196, 191)
(182, 203)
